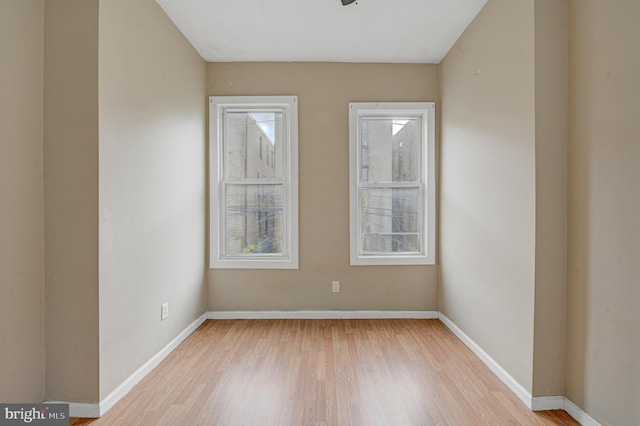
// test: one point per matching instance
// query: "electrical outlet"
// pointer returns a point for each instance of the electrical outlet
(164, 311)
(335, 286)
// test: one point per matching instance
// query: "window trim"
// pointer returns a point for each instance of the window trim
(425, 110)
(289, 105)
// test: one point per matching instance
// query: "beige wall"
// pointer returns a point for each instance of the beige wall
(488, 185)
(152, 185)
(71, 199)
(551, 93)
(21, 200)
(141, 159)
(324, 91)
(603, 315)
(124, 160)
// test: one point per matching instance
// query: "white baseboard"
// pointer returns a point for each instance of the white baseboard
(578, 413)
(98, 410)
(497, 369)
(84, 410)
(544, 403)
(226, 315)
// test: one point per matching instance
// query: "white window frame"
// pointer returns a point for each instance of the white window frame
(426, 112)
(289, 258)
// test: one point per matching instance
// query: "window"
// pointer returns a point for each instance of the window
(254, 197)
(392, 183)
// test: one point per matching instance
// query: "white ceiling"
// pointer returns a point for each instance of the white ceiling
(420, 31)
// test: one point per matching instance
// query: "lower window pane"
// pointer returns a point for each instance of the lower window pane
(254, 220)
(390, 220)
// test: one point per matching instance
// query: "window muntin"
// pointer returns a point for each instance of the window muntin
(392, 189)
(253, 182)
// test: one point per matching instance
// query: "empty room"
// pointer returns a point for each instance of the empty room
(323, 212)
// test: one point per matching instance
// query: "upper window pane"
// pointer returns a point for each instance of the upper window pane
(390, 149)
(253, 144)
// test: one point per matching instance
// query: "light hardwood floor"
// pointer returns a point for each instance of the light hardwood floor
(323, 372)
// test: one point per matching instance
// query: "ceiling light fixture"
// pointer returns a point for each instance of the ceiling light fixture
(347, 2)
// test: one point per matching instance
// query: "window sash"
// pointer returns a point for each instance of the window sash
(284, 253)
(390, 116)
(420, 221)
(283, 144)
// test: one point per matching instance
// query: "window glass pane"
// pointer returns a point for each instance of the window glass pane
(254, 219)
(390, 220)
(390, 149)
(253, 145)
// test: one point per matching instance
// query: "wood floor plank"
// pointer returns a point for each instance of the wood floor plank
(323, 372)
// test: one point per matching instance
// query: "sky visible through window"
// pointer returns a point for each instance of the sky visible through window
(397, 126)
(266, 122)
